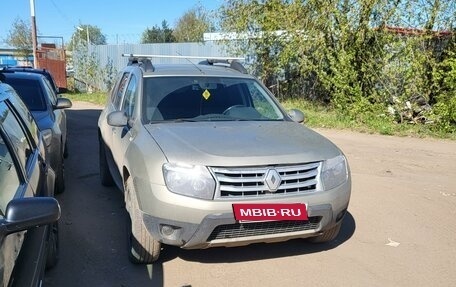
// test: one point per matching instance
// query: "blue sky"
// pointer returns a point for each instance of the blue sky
(121, 21)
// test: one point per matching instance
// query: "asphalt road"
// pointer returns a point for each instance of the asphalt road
(400, 229)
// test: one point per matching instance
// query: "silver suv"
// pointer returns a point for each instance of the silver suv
(206, 156)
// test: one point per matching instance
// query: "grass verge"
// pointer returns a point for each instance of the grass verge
(318, 116)
(94, 98)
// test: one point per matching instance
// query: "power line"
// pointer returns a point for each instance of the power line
(63, 15)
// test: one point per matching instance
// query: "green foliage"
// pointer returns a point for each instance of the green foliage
(322, 116)
(89, 75)
(353, 55)
(20, 37)
(444, 76)
(84, 34)
(94, 98)
(156, 34)
(444, 113)
(108, 74)
(191, 26)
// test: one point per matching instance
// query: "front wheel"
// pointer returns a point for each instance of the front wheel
(60, 177)
(105, 174)
(65, 150)
(142, 247)
(327, 235)
(53, 246)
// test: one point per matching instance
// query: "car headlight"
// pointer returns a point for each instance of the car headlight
(189, 180)
(334, 172)
(47, 137)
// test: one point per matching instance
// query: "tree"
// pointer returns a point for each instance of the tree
(157, 34)
(20, 37)
(192, 25)
(361, 56)
(79, 37)
(85, 61)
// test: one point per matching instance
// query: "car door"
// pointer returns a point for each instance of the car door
(20, 171)
(59, 115)
(114, 105)
(122, 136)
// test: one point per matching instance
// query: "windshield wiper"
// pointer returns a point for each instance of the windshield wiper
(172, 121)
(182, 120)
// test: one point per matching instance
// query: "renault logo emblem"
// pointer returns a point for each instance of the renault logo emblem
(272, 180)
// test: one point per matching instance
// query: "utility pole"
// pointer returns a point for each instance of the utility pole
(88, 40)
(34, 40)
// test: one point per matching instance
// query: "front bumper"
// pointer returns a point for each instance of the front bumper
(195, 224)
(223, 230)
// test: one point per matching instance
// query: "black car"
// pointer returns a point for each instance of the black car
(48, 111)
(28, 210)
(43, 72)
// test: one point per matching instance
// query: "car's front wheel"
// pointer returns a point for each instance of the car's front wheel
(327, 235)
(53, 246)
(105, 174)
(60, 176)
(65, 150)
(142, 247)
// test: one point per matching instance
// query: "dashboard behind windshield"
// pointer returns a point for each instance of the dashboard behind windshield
(206, 98)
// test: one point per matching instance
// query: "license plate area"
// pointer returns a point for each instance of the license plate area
(252, 212)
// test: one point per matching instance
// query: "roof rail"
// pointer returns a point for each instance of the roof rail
(181, 57)
(232, 62)
(144, 63)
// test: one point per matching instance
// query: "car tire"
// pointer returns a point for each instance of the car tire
(53, 246)
(105, 174)
(142, 247)
(65, 150)
(327, 235)
(60, 178)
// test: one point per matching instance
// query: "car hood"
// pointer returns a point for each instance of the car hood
(240, 143)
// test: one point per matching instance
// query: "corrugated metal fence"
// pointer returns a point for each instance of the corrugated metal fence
(112, 55)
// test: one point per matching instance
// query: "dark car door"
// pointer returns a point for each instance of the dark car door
(21, 175)
(59, 114)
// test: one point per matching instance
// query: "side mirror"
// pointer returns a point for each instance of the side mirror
(61, 90)
(63, 103)
(296, 115)
(117, 119)
(25, 213)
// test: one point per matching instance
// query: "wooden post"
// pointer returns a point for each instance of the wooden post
(34, 38)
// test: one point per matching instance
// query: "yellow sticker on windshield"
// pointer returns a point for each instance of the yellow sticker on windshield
(206, 94)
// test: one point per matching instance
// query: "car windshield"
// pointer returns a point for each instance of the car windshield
(30, 92)
(206, 99)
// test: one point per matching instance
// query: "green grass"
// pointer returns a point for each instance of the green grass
(95, 98)
(319, 116)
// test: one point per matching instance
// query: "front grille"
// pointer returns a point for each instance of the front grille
(252, 182)
(239, 230)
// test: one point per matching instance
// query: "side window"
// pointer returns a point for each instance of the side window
(25, 115)
(16, 134)
(50, 92)
(9, 180)
(130, 97)
(120, 90)
(262, 102)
